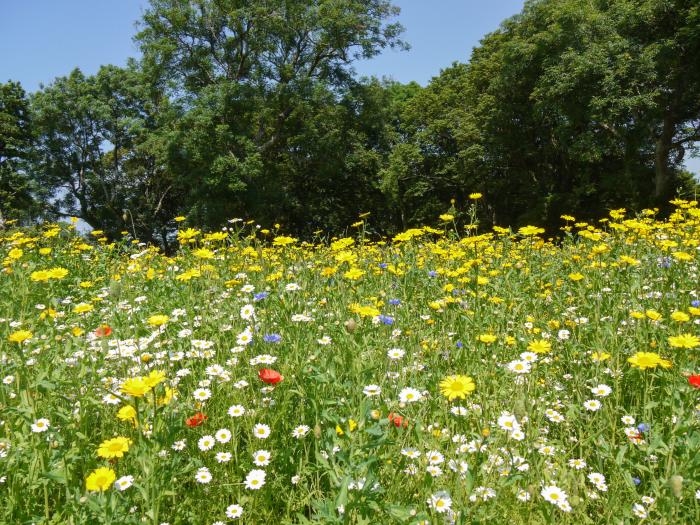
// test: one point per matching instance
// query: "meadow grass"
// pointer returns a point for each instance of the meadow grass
(444, 376)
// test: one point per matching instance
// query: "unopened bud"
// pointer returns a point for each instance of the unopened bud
(676, 484)
(350, 326)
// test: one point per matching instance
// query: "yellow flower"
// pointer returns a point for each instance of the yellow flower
(353, 274)
(644, 360)
(475, 196)
(653, 315)
(576, 276)
(684, 341)
(457, 386)
(114, 448)
(127, 413)
(40, 276)
(155, 378)
(682, 256)
(135, 386)
(83, 308)
(487, 338)
(184, 236)
(341, 244)
(530, 230)
(100, 479)
(57, 273)
(203, 253)
(680, 317)
(600, 356)
(446, 217)
(364, 311)
(158, 320)
(20, 336)
(179, 218)
(540, 346)
(15, 253)
(283, 241)
(167, 397)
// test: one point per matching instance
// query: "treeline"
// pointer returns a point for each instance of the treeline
(242, 108)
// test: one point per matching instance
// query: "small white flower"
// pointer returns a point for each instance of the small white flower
(234, 511)
(255, 479)
(124, 483)
(592, 405)
(236, 411)
(372, 390)
(261, 458)
(410, 395)
(300, 431)
(206, 443)
(41, 425)
(261, 431)
(223, 457)
(203, 475)
(202, 394)
(223, 435)
(601, 390)
(440, 502)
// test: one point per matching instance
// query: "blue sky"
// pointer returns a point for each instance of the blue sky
(43, 39)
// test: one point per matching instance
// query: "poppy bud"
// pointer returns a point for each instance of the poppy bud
(676, 484)
(317, 431)
(350, 326)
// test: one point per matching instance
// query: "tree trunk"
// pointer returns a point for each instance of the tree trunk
(663, 181)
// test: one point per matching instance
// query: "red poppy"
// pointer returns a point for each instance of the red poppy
(196, 420)
(269, 376)
(103, 330)
(398, 420)
(694, 381)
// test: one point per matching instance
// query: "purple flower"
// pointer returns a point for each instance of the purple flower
(643, 427)
(695, 303)
(432, 273)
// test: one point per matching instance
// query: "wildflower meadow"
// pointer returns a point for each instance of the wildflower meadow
(445, 375)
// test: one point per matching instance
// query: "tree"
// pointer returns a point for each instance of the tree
(250, 73)
(16, 189)
(103, 151)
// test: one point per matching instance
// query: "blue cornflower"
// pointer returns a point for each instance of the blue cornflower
(643, 427)
(432, 273)
(272, 338)
(395, 302)
(386, 319)
(260, 296)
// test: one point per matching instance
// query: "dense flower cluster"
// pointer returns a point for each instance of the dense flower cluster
(444, 376)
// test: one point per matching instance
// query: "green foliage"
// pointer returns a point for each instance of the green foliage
(16, 189)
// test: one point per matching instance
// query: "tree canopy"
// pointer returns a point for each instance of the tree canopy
(244, 108)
